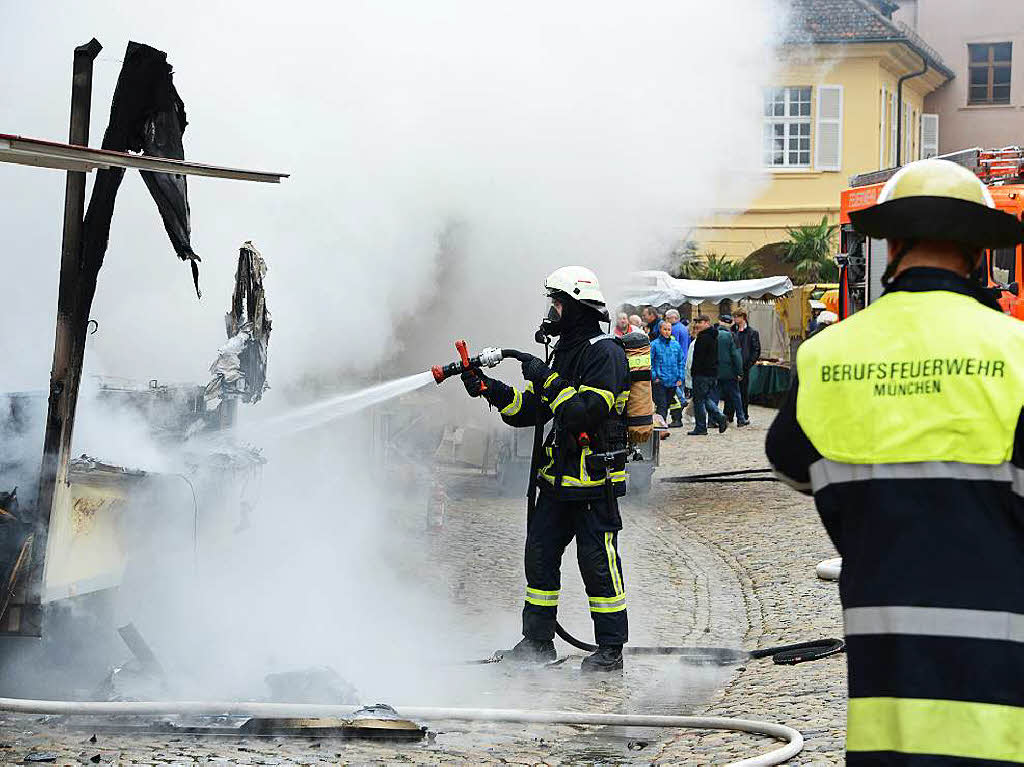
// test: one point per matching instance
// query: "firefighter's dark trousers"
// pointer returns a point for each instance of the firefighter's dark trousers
(596, 529)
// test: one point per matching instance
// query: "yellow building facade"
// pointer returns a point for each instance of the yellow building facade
(831, 113)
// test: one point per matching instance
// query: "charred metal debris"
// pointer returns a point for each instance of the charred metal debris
(240, 370)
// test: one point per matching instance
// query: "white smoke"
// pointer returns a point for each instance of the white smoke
(445, 157)
(552, 132)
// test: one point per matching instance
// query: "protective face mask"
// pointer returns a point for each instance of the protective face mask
(552, 323)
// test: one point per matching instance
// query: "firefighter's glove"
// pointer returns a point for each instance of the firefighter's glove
(475, 382)
(535, 371)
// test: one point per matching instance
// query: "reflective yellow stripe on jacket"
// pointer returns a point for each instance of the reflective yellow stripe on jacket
(606, 395)
(936, 727)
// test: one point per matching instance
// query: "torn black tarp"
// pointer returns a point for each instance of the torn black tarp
(147, 116)
(240, 370)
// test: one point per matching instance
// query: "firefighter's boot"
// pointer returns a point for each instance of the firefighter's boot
(607, 658)
(537, 651)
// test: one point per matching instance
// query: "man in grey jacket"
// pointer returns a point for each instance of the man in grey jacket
(730, 369)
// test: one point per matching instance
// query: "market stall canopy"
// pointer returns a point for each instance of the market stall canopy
(657, 288)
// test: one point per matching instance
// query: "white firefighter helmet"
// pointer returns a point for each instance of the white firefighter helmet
(580, 283)
(938, 200)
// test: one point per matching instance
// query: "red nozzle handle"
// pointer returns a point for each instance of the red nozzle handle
(460, 345)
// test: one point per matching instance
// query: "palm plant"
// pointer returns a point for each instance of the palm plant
(712, 266)
(810, 249)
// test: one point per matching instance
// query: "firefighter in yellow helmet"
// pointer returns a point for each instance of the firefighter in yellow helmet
(905, 422)
(580, 467)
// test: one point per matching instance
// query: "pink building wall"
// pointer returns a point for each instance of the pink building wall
(949, 26)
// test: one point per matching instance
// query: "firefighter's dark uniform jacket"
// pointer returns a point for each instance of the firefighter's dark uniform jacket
(912, 442)
(587, 392)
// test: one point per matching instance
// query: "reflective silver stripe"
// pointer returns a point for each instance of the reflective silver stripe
(608, 604)
(542, 598)
(601, 337)
(801, 486)
(935, 621)
(825, 472)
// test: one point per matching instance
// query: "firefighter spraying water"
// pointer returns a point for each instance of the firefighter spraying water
(580, 467)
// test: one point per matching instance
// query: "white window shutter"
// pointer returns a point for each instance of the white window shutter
(882, 135)
(906, 134)
(828, 138)
(929, 136)
(893, 122)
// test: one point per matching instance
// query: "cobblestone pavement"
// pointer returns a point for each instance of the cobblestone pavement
(706, 564)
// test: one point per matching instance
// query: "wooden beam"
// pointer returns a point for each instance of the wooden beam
(66, 372)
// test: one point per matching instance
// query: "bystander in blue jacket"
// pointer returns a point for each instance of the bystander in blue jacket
(668, 368)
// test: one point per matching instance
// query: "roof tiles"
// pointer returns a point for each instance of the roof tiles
(853, 20)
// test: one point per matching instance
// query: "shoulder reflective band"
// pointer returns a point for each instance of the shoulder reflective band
(563, 395)
(604, 394)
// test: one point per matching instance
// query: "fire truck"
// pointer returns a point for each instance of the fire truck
(863, 259)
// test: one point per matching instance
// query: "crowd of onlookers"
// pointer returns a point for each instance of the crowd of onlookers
(700, 363)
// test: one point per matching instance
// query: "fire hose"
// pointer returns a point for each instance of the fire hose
(782, 655)
(794, 740)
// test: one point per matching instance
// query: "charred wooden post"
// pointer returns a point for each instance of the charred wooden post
(68, 352)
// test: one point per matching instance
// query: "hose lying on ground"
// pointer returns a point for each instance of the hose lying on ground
(724, 476)
(794, 740)
(787, 654)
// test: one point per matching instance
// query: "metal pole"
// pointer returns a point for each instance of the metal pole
(899, 108)
(66, 370)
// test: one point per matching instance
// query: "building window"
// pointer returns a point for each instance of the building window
(990, 73)
(787, 127)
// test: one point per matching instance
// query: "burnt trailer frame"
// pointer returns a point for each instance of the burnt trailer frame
(73, 304)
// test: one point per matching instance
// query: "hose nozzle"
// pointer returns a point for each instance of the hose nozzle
(488, 358)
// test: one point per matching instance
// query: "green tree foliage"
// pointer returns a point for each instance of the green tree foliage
(712, 266)
(810, 249)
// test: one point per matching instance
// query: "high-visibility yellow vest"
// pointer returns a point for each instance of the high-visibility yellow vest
(875, 388)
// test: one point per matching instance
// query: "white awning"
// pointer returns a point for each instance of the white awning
(50, 154)
(657, 288)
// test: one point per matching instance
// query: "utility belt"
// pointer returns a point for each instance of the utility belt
(595, 464)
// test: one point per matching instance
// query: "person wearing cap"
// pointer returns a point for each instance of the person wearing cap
(817, 307)
(827, 318)
(583, 392)
(912, 443)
